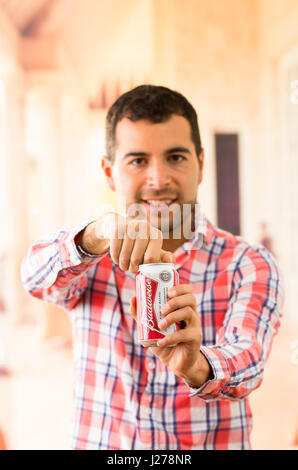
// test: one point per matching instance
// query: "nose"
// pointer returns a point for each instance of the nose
(158, 176)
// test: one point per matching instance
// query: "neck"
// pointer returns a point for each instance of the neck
(171, 244)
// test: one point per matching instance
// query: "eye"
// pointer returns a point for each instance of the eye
(137, 161)
(177, 158)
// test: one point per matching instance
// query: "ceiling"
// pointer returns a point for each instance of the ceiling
(25, 14)
(104, 38)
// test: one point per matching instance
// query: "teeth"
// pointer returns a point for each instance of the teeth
(159, 203)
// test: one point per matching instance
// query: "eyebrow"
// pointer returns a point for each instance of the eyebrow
(167, 152)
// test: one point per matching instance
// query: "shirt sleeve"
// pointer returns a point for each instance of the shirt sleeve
(244, 341)
(55, 270)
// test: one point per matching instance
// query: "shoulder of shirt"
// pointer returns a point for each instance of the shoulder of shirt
(238, 244)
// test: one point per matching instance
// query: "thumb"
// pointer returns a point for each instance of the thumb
(167, 257)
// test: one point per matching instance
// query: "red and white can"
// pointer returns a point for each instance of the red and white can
(152, 284)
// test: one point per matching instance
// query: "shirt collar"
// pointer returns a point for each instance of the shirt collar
(202, 231)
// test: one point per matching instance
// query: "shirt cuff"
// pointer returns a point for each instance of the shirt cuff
(212, 388)
(84, 253)
(70, 254)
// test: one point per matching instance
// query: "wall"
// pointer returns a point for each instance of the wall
(278, 167)
(278, 127)
(210, 53)
(11, 206)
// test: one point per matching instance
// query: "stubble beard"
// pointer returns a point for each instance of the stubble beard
(176, 223)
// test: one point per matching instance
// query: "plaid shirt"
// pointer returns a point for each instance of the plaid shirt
(125, 397)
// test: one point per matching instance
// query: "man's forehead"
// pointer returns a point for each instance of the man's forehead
(128, 132)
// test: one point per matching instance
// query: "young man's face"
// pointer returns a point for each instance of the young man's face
(155, 165)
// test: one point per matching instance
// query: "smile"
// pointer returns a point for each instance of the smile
(158, 204)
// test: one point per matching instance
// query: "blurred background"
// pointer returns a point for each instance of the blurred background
(62, 63)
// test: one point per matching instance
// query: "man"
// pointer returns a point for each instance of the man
(192, 395)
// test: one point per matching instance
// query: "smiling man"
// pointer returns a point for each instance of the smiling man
(191, 391)
(156, 165)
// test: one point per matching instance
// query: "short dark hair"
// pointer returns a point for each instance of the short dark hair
(153, 103)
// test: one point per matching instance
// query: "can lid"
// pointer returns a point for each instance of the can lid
(156, 264)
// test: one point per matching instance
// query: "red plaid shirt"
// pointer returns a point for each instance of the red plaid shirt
(125, 397)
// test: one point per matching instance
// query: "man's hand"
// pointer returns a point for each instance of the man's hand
(131, 242)
(184, 358)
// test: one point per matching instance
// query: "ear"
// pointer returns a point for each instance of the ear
(106, 166)
(201, 165)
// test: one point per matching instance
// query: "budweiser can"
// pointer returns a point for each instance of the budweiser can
(152, 284)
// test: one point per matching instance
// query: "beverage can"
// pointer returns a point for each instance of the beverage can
(153, 281)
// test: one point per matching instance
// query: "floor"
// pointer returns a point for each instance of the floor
(36, 400)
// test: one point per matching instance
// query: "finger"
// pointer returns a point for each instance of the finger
(137, 255)
(115, 249)
(185, 314)
(167, 257)
(133, 307)
(179, 301)
(116, 235)
(189, 335)
(125, 253)
(138, 229)
(180, 289)
(152, 253)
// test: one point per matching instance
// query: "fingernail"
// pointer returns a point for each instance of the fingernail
(165, 308)
(161, 342)
(162, 324)
(171, 292)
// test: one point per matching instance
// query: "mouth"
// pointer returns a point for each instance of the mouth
(158, 207)
(158, 203)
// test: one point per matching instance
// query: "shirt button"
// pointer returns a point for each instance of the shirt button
(148, 411)
(151, 365)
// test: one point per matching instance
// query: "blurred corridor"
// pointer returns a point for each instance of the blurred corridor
(62, 63)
